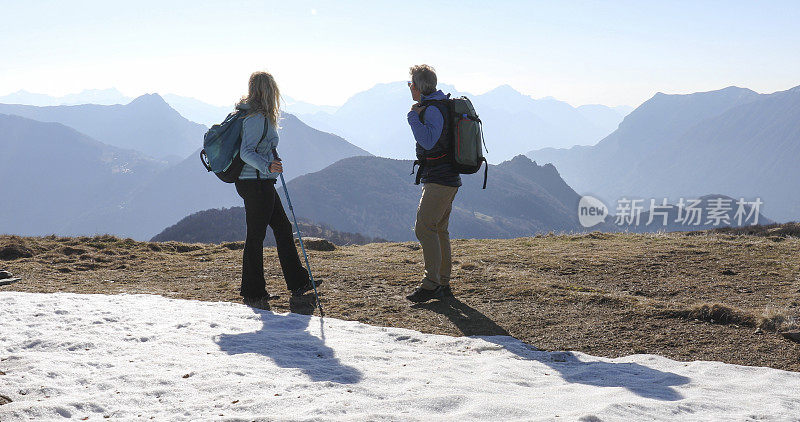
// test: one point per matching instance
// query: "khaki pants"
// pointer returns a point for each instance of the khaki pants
(433, 217)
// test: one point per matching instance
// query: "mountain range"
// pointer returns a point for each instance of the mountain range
(193, 109)
(376, 197)
(514, 123)
(108, 96)
(187, 187)
(375, 119)
(147, 124)
(58, 180)
(53, 176)
(743, 143)
(732, 141)
(209, 114)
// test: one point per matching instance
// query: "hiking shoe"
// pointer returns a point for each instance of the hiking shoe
(258, 302)
(447, 291)
(423, 295)
(306, 287)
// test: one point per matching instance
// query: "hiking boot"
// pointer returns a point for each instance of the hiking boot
(303, 305)
(423, 295)
(447, 291)
(258, 302)
(306, 287)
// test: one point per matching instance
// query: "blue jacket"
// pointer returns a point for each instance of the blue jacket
(433, 139)
(428, 133)
(257, 156)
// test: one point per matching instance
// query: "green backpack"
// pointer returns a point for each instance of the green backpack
(466, 144)
(467, 130)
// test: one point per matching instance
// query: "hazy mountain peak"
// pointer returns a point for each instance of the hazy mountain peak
(704, 101)
(731, 140)
(149, 99)
(107, 96)
(727, 91)
(523, 161)
(26, 97)
(147, 124)
(302, 107)
(373, 120)
(521, 158)
(111, 90)
(505, 89)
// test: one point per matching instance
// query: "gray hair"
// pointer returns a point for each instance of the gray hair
(424, 78)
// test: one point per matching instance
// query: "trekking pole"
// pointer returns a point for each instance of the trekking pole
(299, 236)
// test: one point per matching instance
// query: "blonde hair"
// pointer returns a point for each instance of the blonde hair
(263, 96)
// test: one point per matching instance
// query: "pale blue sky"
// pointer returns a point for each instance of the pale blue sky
(608, 52)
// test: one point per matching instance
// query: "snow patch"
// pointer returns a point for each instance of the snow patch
(131, 356)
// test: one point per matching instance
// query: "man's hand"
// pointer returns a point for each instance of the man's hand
(417, 108)
(276, 167)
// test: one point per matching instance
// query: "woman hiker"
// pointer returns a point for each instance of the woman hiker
(256, 185)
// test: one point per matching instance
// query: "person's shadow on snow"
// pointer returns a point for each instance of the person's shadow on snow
(638, 379)
(285, 340)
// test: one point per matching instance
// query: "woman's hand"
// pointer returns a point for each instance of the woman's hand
(276, 167)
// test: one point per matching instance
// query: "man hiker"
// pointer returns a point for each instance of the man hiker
(440, 182)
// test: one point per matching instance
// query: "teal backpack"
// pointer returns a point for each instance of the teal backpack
(221, 145)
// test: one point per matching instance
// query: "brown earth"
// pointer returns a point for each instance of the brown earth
(689, 297)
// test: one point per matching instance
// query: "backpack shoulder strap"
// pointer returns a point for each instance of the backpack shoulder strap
(422, 114)
(419, 171)
(263, 135)
(435, 103)
(485, 170)
(264, 132)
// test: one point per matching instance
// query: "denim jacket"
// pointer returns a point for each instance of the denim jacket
(257, 156)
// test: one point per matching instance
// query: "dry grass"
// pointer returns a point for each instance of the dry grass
(773, 231)
(774, 319)
(707, 296)
(715, 313)
(771, 319)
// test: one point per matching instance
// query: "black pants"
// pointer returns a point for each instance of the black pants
(263, 207)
